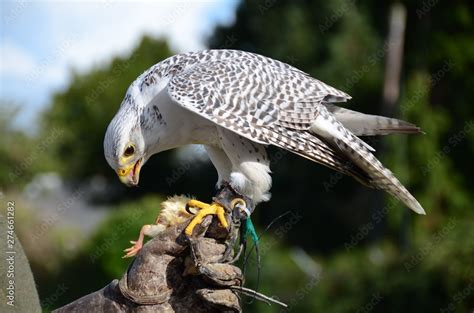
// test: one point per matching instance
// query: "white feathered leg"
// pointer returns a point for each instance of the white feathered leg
(250, 171)
(221, 162)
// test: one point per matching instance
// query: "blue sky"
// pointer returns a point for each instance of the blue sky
(41, 41)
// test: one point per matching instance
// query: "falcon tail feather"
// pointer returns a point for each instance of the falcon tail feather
(352, 147)
(317, 151)
(361, 124)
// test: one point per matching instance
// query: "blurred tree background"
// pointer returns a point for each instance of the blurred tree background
(344, 247)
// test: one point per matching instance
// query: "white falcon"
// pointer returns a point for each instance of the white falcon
(236, 104)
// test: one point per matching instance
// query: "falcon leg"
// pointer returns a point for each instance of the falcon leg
(205, 210)
(227, 202)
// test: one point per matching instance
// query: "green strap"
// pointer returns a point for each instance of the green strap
(251, 230)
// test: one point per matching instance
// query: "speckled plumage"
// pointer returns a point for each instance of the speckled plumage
(236, 103)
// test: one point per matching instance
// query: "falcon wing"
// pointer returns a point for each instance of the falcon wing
(263, 103)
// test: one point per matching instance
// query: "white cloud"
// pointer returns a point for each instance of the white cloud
(21, 65)
(113, 28)
(15, 61)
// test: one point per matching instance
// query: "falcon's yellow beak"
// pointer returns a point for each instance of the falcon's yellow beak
(130, 174)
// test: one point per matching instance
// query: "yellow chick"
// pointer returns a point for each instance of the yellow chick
(173, 211)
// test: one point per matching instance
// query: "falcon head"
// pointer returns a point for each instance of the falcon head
(124, 148)
(129, 141)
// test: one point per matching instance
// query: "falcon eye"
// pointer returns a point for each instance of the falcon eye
(129, 151)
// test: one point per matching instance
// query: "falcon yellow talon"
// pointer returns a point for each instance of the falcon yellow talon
(205, 210)
(197, 204)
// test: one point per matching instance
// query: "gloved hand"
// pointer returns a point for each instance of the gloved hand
(172, 273)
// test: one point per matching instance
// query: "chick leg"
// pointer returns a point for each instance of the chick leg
(150, 231)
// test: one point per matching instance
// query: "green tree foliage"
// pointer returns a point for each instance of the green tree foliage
(441, 50)
(20, 155)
